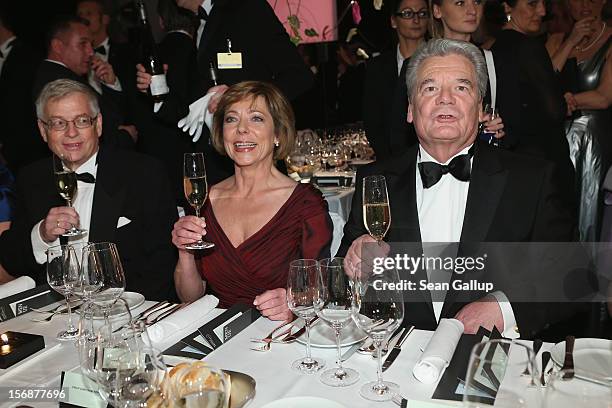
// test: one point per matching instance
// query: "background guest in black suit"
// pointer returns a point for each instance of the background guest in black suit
(162, 138)
(18, 62)
(268, 55)
(119, 56)
(385, 103)
(70, 55)
(446, 82)
(129, 203)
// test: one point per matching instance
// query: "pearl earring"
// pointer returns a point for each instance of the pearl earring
(276, 143)
(508, 17)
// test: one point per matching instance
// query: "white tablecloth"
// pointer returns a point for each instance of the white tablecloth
(275, 379)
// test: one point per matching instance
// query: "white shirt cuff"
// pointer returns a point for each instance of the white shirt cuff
(39, 247)
(510, 329)
(115, 86)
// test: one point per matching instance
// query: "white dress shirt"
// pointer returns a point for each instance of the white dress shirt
(441, 211)
(5, 50)
(400, 60)
(207, 5)
(82, 204)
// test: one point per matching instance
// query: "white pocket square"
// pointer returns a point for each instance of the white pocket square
(123, 221)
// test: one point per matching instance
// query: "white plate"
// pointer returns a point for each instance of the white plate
(590, 355)
(323, 336)
(133, 300)
(303, 402)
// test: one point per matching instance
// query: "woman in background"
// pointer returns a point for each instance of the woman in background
(385, 102)
(584, 59)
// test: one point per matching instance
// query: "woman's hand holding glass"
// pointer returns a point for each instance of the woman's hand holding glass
(187, 230)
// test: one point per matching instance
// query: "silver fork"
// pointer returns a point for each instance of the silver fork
(269, 338)
(54, 313)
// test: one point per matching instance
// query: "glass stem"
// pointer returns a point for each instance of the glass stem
(379, 379)
(339, 371)
(308, 358)
(70, 328)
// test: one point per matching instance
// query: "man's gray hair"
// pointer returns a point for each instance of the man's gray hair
(441, 48)
(61, 88)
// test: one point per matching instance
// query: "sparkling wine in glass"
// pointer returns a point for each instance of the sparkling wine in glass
(66, 183)
(302, 287)
(333, 306)
(377, 311)
(196, 189)
(63, 276)
(376, 211)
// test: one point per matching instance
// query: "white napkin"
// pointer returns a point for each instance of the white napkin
(181, 319)
(197, 116)
(16, 286)
(439, 351)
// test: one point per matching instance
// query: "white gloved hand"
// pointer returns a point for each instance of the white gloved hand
(197, 116)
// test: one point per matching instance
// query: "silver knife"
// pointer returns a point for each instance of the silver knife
(396, 349)
(348, 353)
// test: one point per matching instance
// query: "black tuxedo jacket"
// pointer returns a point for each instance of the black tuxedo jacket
(128, 185)
(385, 108)
(112, 103)
(511, 198)
(21, 141)
(267, 53)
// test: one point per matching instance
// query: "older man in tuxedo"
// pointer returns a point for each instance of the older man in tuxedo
(122, 197)
(450, 188)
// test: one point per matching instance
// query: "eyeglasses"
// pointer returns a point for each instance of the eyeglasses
(59, 124)
(409, 14)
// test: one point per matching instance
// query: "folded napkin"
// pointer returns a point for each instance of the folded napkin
(439, 351)
(177, 321)
(16, 286)
(197, 116)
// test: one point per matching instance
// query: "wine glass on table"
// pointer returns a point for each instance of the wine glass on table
(376, 210)
(378, 311)
(196, 189)
(66, 183)
(333, 306)
(139, 375)
(102, 266)
(63, 276)
(302, 285)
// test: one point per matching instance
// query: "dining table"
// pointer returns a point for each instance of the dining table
(275, 379)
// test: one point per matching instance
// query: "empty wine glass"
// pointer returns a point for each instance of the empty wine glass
(333, 306)
(378, 311)
(66, 183)
(63, 276)
(578, 389)
(196, 189)
(302, 287)
(138, 375)
(102, 267)
(376, 211)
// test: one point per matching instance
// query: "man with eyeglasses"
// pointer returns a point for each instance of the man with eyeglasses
(122, 197)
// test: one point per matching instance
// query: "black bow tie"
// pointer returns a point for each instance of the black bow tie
(86, 177)
(202, 14)
(100, 50)
(460, 167)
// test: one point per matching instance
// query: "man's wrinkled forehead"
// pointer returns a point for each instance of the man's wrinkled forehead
(454, 64)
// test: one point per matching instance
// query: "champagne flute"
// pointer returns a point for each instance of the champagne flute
(489, 137)
(63, 276)
(102, 265)
(66, 183)
(378, 311)
(333, 306)
(376, 211)
(302, 288)
(196, 189)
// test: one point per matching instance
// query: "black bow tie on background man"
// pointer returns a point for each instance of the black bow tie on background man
(202, 14)
(460, 167)
(86, 177)
(100, 50)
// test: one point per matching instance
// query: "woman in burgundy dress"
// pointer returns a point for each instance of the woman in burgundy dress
(259, 219)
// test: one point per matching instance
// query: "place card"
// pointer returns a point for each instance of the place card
(79, 391)
(228, 324)
(22, 302)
